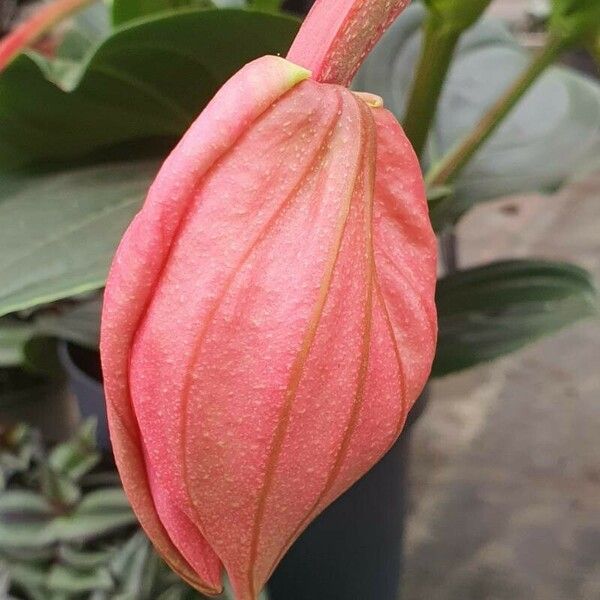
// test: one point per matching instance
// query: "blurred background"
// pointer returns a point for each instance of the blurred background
(505, 471)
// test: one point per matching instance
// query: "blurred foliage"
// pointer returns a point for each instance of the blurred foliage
(528, 152)
(72, 221)
(492, 310)
(572, 19)
(146, 80)
(66, 529)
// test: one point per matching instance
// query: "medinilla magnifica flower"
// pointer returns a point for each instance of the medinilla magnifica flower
(269, 318)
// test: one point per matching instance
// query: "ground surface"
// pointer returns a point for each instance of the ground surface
(506, 460)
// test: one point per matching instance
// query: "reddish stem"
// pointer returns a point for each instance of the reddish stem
(337, 35)
(29, 31)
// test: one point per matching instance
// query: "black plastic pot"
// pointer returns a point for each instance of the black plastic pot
(353, 550)
(298, 6)
(42, 403)
(85, 381)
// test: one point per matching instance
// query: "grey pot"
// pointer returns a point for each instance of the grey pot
(84, 378)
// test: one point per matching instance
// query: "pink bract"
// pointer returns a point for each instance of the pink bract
(269, 317)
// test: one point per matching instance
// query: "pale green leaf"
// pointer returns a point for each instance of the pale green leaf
(59, 231)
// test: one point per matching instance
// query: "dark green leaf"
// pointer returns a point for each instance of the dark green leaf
(20, 341)
(489, 311)
(119, 564)
(148, 80)
(268, 5)
(127, 10)
(60, 230)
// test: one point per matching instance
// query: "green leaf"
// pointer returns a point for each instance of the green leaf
(135, 577)
(30, 534)
(104, 501)
(489, 311)
(67, 579)
(148, 80)
(24, 506)
(122, 560)
(28, 576)
(88, 28)
(60, 230)
(99, 513)
(79, 455)
(266, 5)
(553, 133)
(455, 15)
(60, 490)
(79, 322)
(84, 559)
(175, 592)
(14, 335)
(572, 19)
(18, 445)
(127, 10)
(24, 342)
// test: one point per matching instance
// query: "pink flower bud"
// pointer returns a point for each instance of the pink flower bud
(268, 320)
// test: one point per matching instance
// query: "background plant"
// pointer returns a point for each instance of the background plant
(66, 529)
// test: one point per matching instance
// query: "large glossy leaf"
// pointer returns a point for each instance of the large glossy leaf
(148, 80)
(552, 133)
(127, 10)
(59, 230)
(489, 311)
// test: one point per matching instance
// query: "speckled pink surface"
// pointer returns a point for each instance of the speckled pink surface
(268, 320)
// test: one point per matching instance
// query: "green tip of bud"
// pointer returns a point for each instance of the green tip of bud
(372, 100)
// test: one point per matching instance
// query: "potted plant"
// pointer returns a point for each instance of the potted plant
(67, 529)
(111, 117)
